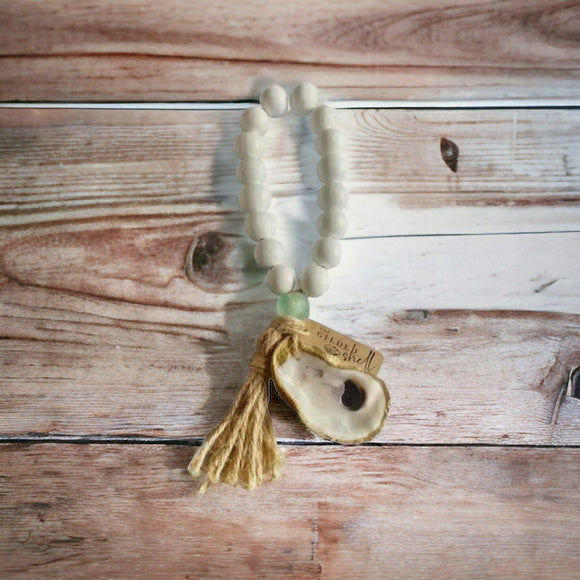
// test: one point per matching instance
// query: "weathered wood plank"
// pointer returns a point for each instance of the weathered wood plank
(518, 170)
(109, 510)
(109, 328)
(179, 50)
(454, 377)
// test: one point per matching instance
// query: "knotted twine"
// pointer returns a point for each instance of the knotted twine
(241, 449)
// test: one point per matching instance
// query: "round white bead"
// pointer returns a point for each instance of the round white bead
(314, 280)
(329, 141)
(274, 101)
(304, 99)
(333, 195)
(330, 168)
(248, 145)
(251, 170)
(326, 252)
(281, 279)
(260, 225)
(254, 197)
(321, 119)
(269, 252)
(332, 223)
(254, 119)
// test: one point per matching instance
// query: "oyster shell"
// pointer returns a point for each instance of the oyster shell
(335, 401)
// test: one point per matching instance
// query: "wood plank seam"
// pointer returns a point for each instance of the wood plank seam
(447, 105)
(63, 439)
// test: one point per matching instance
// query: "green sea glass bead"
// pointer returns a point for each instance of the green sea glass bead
(294, 304)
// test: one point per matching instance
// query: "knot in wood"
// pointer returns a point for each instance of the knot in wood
(206, 263)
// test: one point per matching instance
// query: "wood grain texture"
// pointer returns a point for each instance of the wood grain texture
(454, 377)
(517, 170)
(182, 50)
(396, 512)
(130, 299)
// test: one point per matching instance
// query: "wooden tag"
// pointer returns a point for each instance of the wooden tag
(343, 349)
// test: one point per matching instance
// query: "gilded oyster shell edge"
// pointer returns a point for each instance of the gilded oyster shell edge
(281, 354)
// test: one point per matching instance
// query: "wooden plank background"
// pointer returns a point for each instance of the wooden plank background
(91, 197)
(223, 50)
(129, 509)
(129, 298)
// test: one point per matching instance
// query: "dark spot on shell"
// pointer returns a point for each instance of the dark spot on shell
(449, 153)
(353, 397)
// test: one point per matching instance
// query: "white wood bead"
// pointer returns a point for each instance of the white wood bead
(326, 252)
(314, 280)
(321, 119)
(330, 168)
(260, 225)
(249, 145)
(332, 223)
(329, 142)
(304, 99)
(281, 279)
(254, 197)
(333, 195)
(274, 101)
(254, 119)
(269, 252)
(251, 170)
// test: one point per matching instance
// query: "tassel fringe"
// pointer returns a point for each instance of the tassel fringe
(241, 449)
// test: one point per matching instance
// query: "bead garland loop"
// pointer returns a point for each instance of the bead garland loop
(304, 361)
(254, 198)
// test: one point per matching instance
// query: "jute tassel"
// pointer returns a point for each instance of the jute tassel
(242, 448)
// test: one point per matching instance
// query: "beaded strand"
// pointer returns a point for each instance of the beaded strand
(254, 198)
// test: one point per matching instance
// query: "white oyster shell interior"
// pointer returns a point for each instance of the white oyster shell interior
(316, 389)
